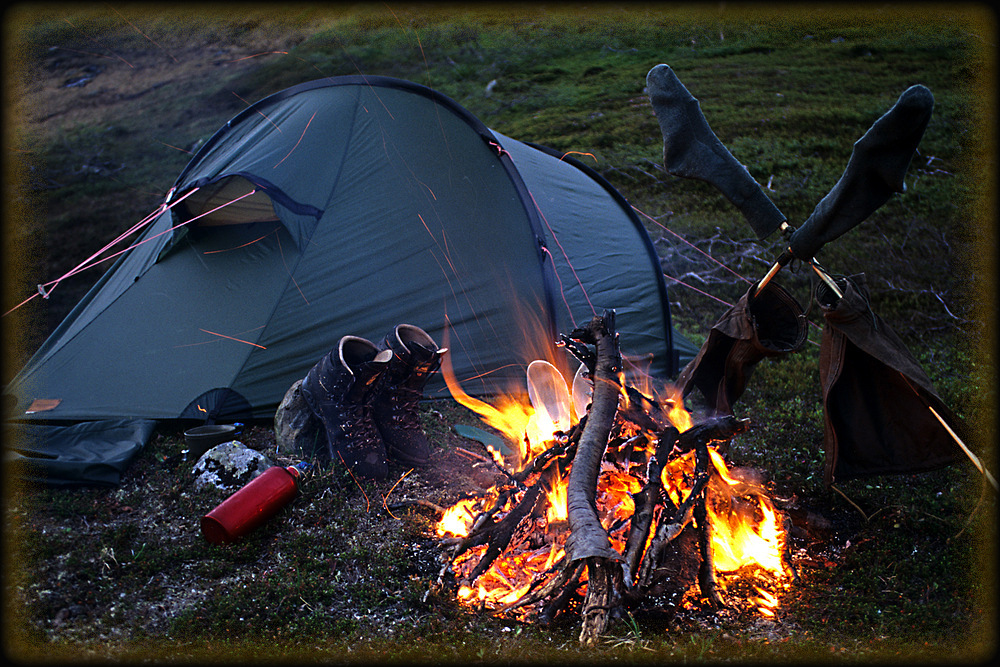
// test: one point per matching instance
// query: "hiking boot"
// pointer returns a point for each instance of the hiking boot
(339, 390)
(415, 357)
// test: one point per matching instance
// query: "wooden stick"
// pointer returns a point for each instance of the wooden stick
(783, 259)
(706, 572)
(827, 279)
(645, 505)
(770, 274)
(853, 504)
(972, 457)
(588, 540)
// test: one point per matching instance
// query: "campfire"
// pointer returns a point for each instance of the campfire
(610, 498)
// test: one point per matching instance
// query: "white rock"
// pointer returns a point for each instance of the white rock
(229, 466)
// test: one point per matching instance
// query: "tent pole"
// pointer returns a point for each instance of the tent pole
(972, 457)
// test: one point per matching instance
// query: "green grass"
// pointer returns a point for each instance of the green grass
(787, 91)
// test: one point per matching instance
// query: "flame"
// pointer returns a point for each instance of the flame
(508, 579)
(532, 430)
(678, 416)
(738, 543)
(739, 539)
(457, 519)
(556, 492)
(745, 528)
(530, 427)
(510, 416)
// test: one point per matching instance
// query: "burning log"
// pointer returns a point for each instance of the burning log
(498, 535)
(696, 438)
(646, 502)
(640, 476)
(588, 540)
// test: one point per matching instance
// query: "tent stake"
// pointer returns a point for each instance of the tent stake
(972, 457)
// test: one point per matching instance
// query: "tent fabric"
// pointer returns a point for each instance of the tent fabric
(875, 395)
(768, 324)
(88, 453)
(389, 203)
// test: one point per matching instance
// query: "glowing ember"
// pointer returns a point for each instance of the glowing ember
(766, 603)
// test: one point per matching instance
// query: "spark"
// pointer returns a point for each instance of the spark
(212, 252)
(385, 498)
(257, 110)
(562, 289)
(182, 150)
(143, 34)
(98, 43)
(363, 76)
(444, 249)
(208, 342)
(578, 153)
(289, 272)
(368, 503)
(440, 266)
(304, 130)
(85, 53)
(420, 45)
(256, 55)
(579, 282)
(238, 340)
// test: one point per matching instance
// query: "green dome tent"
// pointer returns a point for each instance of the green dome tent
(346, 206)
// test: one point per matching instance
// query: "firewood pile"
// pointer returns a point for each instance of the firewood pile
(631, 504)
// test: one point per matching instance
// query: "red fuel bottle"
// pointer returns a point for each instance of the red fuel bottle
(251, 506)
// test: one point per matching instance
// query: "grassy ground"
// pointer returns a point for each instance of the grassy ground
(907, 574)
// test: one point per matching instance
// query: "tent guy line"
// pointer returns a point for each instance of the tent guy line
(555, 238)
(83, 266)
(87, 263)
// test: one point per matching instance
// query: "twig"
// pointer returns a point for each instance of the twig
(645, 505)
(419, 501)
(473, 454)
(853, 504)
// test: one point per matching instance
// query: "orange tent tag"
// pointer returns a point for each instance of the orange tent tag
(42, 404)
